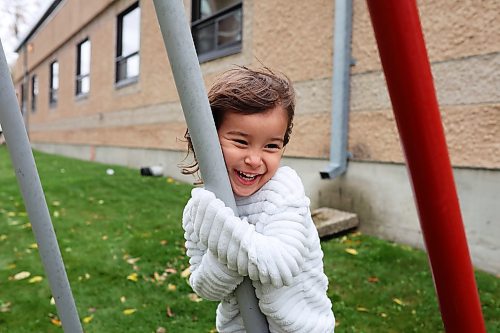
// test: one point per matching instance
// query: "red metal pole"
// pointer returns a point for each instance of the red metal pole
(409, 80)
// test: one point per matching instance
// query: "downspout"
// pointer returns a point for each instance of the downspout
(340, 90)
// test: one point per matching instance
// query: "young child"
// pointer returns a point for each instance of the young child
(272, 238)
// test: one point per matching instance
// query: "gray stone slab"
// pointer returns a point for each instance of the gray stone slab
(331, 221)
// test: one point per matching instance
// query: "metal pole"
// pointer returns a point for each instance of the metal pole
(190, 86)
(34, 200)
(340, 90)
(409, 80)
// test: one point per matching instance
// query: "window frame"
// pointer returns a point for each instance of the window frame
(197, 21)
(34, 92)
(79, 76)
(120, 58)
(53, 92)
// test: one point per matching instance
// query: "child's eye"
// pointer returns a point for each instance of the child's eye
(273, 146)
(240, 141)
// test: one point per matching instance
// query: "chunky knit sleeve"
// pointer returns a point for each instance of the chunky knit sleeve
(209, 278)
(274, 255)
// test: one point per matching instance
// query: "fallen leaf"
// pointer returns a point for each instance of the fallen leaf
(88, 319)
(161, 330)
(172, 287)
(22, 275)
(398, 301)
(383, 315)
(170, 314)
(56, 214)
(185, 273)
(105, 237)
(171, 270)
(362, 309)
(194, 298)
(128, 312)
(33, 246)
(351, 251)
(163, 242)
(123, 299)
(52, 301)
(55, 322)
(5, 307)
(35, 279)
(3, 237)
(11, 214)
(56, 203)
(132, 261)
(133, 277)
(170, 180)
(373, 279)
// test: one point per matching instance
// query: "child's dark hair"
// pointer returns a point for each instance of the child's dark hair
(248, 91)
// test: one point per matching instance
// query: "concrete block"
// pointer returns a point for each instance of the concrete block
(331, 221)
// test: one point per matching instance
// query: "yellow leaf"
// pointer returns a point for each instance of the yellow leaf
(52, 301)
(362, 309)
(352, 251)
(133, 277)
(56, 203)
(123, 299)
(105, 237)
(11, 214)
(55, 322)
(383, 315)
(185, 273)
(170, 180)
(33, 246)
(56, 214)
(35, 279)
(172, 287)
(128, 312)
(3, 237)
(194, 298)
(88, 319)
(22, 275)
(398, 301)
(132, 261)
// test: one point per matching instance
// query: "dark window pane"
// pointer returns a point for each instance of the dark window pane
(229, 29)
(204, 37)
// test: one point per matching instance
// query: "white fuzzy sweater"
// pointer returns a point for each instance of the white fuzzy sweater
(274, 242)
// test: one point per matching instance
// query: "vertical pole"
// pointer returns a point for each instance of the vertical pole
(190, 86)
(409, 80)
(34, 200)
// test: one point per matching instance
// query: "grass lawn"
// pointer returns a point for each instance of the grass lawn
(121, 239)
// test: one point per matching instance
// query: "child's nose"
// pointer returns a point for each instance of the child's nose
(253, 159)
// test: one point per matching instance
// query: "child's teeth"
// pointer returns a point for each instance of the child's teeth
(246, 175)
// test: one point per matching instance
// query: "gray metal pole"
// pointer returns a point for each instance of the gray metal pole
(190, 85)
(34, 200)
(340, 90)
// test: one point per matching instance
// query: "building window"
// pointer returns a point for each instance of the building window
(54, 83)
(23, 98)
(216, 27)
(34, 92)
(127, 46)
(83, 68)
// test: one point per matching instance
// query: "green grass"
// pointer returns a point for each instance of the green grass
(110, 227)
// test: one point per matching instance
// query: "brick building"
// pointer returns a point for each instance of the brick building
(95, 83)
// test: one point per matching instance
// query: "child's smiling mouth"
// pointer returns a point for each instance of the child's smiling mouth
(245, 177)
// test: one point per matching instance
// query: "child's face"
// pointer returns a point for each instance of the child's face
(252, 146)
